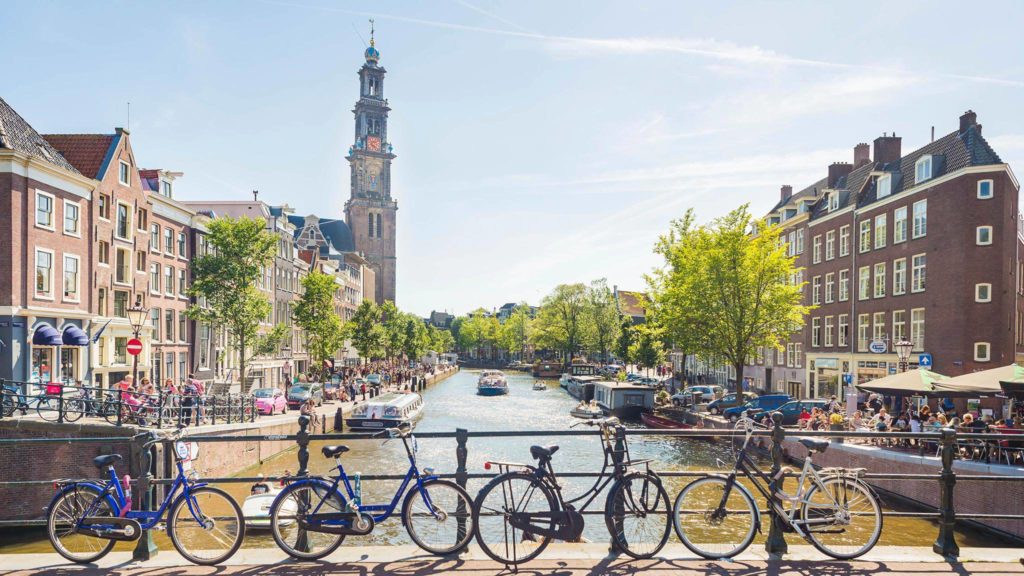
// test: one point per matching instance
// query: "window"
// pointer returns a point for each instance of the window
(798, 354)
(799, 241)
(101, 305)
(791, 245)
(984, 189)
(844, 285)
(917, 273)
(124, 174)
(71, 277)
(154, 321)
(899, 225)
(917, 328)
(169, 325)
(833, 201)
(983, 235)
(124, 221)
(922, 169)
(71, 219)
(982, 351)
(104, 252)
(884, 186)
(844, 330)
(844, 240)
(120, 304)
(181, 244)
(830, 245)
(878, 328)
(865, 236)
(864, 285)
(863, 326)
(182, 328)
(816, 290)
(44, 273)
(830, 285)
(140, 261)
(142, 220)
(165, 188)
(880, 280)
(122, 266)
(983, 292)
(817, 249)
(181, 283)
(121, 350)
(168, 280)
(829, 327)
(182, 363)
(899, 276)
(880, 230)
(380, 229)
(370, 226)
(104, 207)
(154, 278)
(169, 241)
(920, 219)
(899, 325)
(789, 354)
(815, 332)
(44, 210)
(154, 237)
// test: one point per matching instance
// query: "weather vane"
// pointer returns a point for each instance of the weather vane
(371, 31)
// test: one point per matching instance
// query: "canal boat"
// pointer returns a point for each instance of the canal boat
(492, 383)
(587, 411)
(539, 386)
(625, 400)
(256, 508)
(386, 411)
(652, 420)
(547, 370)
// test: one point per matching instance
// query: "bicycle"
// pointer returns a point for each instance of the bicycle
(310, 518)
(145, 411)
(521, 510)
(832, 509)
(14, 400)
(86, 519)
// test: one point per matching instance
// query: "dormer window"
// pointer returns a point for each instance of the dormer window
(833, 201)
(884, 185)
(165, 188)
(923, 169)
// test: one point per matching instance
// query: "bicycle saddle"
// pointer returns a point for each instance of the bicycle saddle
(331, 451)
(106, 460)
(543, 452)
(814, 445)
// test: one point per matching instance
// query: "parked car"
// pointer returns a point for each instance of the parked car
(373, 380)
(686, 397)
(767, 402)
(729, 399)
(299, 393)
(270, 401)
(790, 411)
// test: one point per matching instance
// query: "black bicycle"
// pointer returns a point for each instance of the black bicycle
(519, 512)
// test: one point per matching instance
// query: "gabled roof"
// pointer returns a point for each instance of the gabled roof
(337, 234)
(633, 303)
(89, 153)
(808, 193)
(17, 134)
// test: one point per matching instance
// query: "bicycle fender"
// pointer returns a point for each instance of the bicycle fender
(98, 487)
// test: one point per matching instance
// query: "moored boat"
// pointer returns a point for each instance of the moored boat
(492, 383)
(385, 411)
(652, 420)
(547, 370)
(587, 411)
(625, 400)
(539, 386)
(256, 508)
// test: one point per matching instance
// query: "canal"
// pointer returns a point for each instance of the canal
(453, 404)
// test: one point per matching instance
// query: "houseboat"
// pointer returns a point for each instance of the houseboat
(385, 411)
(492, 383)
(547, 370)
(582, 387)
(623, 399)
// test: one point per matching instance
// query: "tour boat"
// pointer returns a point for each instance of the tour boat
(625, 400)
(587, 411)
(539, 386)
(385, 411)
(492, 383)
(546, 370)
(256, 508)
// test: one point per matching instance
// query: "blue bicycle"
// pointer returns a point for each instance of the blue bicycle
(310, 518)
(86, 518)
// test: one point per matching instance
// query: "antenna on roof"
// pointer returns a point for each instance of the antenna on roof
(129, 124)
(255, 195)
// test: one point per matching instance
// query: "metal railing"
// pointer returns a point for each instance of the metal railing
(946, 479)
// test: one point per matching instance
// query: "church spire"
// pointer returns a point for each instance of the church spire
(372, 54)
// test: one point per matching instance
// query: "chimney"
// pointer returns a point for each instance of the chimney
(255, 195)
(836, 171)
(787, 192)
(861, 155)
(887, 148)
(969, 119)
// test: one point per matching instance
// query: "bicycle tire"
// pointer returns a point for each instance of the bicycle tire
(48, 408)
(10, 403)
(105, 510)
(74, 409)
(173, 529)
(622, 493)
(480, 527)
(708, 493)
(276, 524)
(817, 539)
(414, 497)
(110, 408)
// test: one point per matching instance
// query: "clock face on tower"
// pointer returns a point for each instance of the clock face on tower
(373, 143)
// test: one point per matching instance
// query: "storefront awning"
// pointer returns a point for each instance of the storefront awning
(46, 336)
(984, 383)
(73, 336)
(909, 383)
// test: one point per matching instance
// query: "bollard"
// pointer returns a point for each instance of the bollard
(776, 542)
(946, 543)
(339, 420)
(301, 543)
(120, 408)
(461, 474)
(60, 404)
(145, 547)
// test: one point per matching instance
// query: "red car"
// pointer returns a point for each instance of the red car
(270, 401)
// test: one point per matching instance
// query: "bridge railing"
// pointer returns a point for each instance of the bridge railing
(945, 513)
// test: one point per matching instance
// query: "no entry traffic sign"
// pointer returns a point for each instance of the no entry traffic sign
(134, 347)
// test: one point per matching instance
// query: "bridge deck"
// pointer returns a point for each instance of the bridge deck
(558, 560)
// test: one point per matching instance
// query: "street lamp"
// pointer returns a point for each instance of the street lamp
(903, 348)
(136, 317)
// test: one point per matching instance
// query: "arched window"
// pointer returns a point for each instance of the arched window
(379, 227)
(370, 226)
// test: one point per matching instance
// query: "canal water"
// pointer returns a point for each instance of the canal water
(453, 404)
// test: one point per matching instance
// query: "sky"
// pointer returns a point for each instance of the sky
(537, 142)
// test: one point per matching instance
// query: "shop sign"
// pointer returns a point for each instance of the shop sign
(878, 347)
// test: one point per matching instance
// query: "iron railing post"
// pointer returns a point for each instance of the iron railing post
(60, 404)
(461, 475)
(3, 392)
(160, 406)
(946, 543)
(120, 406)
(302, 439)
(776, 542)
(252, 408)
(618, 457)
(145, 547)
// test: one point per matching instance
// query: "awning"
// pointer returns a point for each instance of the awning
(984, 383)
(909, 383)
(73, 336)
(46, 335)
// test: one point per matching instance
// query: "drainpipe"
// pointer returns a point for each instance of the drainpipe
(854, 273)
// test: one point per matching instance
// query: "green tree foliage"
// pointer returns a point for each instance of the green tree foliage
(365, 331)
(478, 330)
(514, 335)
(441, 340)
(563, 323)
(727, 288)
(647, 349)
(603, 317)
(417, 338)
(625, 341)
(225, 281)
(393, 322)
(315, 314)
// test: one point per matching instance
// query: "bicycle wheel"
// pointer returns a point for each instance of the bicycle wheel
(511, 493)
(10, 401)
(637, 515)
(296, 501)
(207, 526)
(65, 512)
(708, 528)
(73, 410)
(439, 518)
(48, 408)
(844, 520)
(110, 409)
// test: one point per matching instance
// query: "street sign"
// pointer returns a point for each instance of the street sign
(878, 347)
(924, 361)
(847, 379)
(134, 347)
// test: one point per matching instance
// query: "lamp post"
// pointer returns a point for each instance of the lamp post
(903, 348)
(136, 317)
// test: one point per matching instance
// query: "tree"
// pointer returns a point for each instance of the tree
(365, 331)
(393, 322)
(441, 340)
(624, 341)
(417, 339)
(514, 335)
(315, 314)
(224, 282)
(478, 330)
(647, 349)
(731, 286)
(562, 322)
(603, 317)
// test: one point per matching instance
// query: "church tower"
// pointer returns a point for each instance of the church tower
(370, 211)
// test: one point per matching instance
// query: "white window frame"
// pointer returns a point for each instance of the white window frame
(899, 276)
(99, 246)
(881, 229)
(124, 169)
(815, 332)
(154, 287)
(816, 290)
(863, 332)
(844, 240)
(800, 241)
(920, 175)
(77, 232)
(99, 213)
(991, 189)
(924, 274)
(879, 280)
(844, 285)
(864, 283)
(829, 327)
(129, 214)
(169, 286)
(884, 187)
(833, 201)
(842, 335)
(830, 287)
(864, 236)
(977, 292)
(182, 245)
(987, 356)
(918, 341)
(154, 227)
(878, 327)
(830, 245)
(977, 235)
(915, 230)
(78, 277)
(899, 225)
(129, 259)
(899, 318)
(52, 227)
(816, 253)
(182, 282)
(35, 270)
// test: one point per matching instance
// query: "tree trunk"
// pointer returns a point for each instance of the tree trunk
(241, 362)
(739, 383)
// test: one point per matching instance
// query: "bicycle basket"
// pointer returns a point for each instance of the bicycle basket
(54, 388)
